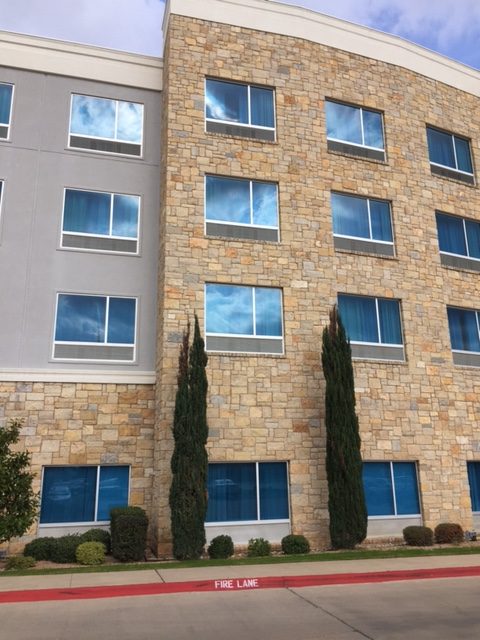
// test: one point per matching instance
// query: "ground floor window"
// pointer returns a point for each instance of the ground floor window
(391, 488)
(474, 481)
(247, 491)
(82, 494)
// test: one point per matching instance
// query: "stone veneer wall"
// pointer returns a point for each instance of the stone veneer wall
(82, 424)
(271, 408)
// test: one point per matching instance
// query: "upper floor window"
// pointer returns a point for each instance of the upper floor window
(100, 221)
(6, 95)
(241, 208)
(373, 326)
(354, 130)
(459, 241)
(101, 124)
(464, 327)
(450, 155)
(239, 109)
(241, 318)
(362, 223)
(391, 488)
(82, 494)
(91, 327)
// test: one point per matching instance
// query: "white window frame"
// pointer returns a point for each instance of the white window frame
(82, 523)
(477, 319)
(370, 238)
(248, 125)
(397, 516)
(9, 123)
(226, 523)
(116, 101)
(240, 224)
(377, 313)
(463, 220)
(101, 235)
(97, 344)
(446, 166)
(357, 144)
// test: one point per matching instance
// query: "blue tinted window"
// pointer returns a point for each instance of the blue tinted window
(87, 212)
(474, 481)
(108, 119)
(464, 329)
(239, 310)
(265, 205)
(458, 235)
(449, 150)
(375, 320)
(69, 493)
(83, 319)
(243, 104)
(391, 488)
(6, 92)
(361, 217)
(354, 125)
(241, 201)
(233, 495)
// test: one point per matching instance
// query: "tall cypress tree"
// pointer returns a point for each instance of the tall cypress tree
(189, 464)
(346, 500)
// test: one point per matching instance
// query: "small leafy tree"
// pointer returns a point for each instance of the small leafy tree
(189, 464)
(18, 502)
(346, 500)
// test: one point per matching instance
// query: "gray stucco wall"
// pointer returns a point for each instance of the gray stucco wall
(36, 166)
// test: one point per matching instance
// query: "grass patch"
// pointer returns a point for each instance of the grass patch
(326, 556)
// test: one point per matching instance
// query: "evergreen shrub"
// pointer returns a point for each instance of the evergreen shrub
(19, 563)
(128, 526)
(258, 547)
(221, 547)
(416, 536)
(63, 551)
(295, 544)
(90, 553)
(40, 548)
(98, 535)
(448, 533)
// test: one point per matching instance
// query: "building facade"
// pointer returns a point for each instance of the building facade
(275, 162)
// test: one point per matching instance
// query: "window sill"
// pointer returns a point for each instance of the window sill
(239, 232)
(239, 131)
(459, 263)
(469, 360)
(394, 355)
(360, 153)
(364, 247)
(453, 175)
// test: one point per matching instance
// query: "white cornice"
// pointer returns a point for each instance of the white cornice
(288, 20)
(80, 376)
(80, 61)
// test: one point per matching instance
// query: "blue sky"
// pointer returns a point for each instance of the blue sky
(451, 27)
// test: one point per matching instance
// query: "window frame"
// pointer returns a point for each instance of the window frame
(78, 523)
(110, 236)
(254, 336)
(96, 344)
(477, 322)
(8, 125)
(257, 463)
(465, 235)
(113, 140)
(396, 515)
(368, 199)
(453, 137)
(473, 462)
(362, 126)
(377, 314)
(244, 125)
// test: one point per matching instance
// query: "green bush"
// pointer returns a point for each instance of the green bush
(128, 527)
(18, 563)
(295, 544)
(90, 553)
(448, 533)
(416, 536)
(64, 549)
(258, 547)
(40, 548)
(98, 535)
(220, 547)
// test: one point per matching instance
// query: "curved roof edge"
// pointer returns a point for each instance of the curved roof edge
(80, 61)
(289, 20)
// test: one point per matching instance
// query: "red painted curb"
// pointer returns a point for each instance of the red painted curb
(233, 584)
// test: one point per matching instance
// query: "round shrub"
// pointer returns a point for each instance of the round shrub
(416, 536)
(40, 548)
(220, 547)
(258, 547)
(97, 535)
(65, 548)
(448, 533)
(295, 544)
(90, 553)
(18, 563)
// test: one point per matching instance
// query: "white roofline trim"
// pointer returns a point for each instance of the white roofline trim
(57, 57)
(288, 20)
(80, 376)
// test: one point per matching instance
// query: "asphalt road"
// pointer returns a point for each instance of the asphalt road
(443, 609)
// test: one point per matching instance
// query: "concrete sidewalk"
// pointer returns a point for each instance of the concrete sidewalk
(12, 583)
